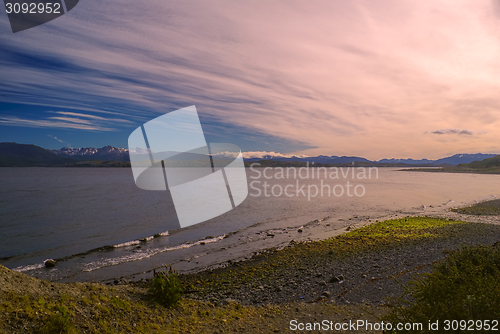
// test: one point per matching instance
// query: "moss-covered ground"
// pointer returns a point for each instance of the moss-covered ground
(96, 308)
(483, 208)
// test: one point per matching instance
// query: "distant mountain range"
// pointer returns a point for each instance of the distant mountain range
(13, 154)
(23, 155)
(486, 166)
(106, 153)
(453, 160)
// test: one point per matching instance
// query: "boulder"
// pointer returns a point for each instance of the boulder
(49, 263)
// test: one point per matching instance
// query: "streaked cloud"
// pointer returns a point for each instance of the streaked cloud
(68, 113)
(58, 124)
(338, 77)
(452, 132)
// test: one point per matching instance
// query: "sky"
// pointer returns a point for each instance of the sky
(376, 79)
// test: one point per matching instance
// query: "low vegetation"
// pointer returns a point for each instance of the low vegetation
(165, 288)
(486, 166)
(298, 256)
(484, 208)
(465, 287)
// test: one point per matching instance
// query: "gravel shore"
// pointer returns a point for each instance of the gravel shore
(366, 277)
(347, 278)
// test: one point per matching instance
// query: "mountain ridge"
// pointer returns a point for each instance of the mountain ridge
(109, 153)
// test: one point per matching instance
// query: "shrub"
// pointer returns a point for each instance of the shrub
(464, 286)
(165, 287)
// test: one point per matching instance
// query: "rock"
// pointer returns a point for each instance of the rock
(364, 276)
(260, 287)
(322, 283)
(326, 294)
(299, 230)
(335, 279)
(49, 263)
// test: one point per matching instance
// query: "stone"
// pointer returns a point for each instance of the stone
(326, 294)
(335, 279)
(299, 230)
(49, 263)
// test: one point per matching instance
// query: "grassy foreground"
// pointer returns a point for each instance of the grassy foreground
(483, 208)
(35, 306)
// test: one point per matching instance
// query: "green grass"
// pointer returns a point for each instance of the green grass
(104, 314)
(298, 256)
(94, 308)
(484, 208)
(165, 287)
(465, 286)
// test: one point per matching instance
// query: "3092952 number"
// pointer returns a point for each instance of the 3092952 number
(471, 325)
(33, 8)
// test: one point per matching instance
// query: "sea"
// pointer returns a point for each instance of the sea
(100, 227)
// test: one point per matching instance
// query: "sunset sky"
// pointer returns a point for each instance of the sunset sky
(376, 78)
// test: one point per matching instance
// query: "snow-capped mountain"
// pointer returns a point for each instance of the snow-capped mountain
(453, 160)
(325, 159)
(106, 153)
(406, 161)
(110, 153)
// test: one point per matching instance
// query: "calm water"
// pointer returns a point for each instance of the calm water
(69, 214)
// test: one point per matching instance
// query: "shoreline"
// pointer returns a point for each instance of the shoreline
(346, 277)
(243, 244)
(342, 268)
(258, 223)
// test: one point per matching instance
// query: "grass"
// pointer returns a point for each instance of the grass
(165, 287)
(95, 308)
(484, 208)
(273, 264)
(105, 314)
(465, 286)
